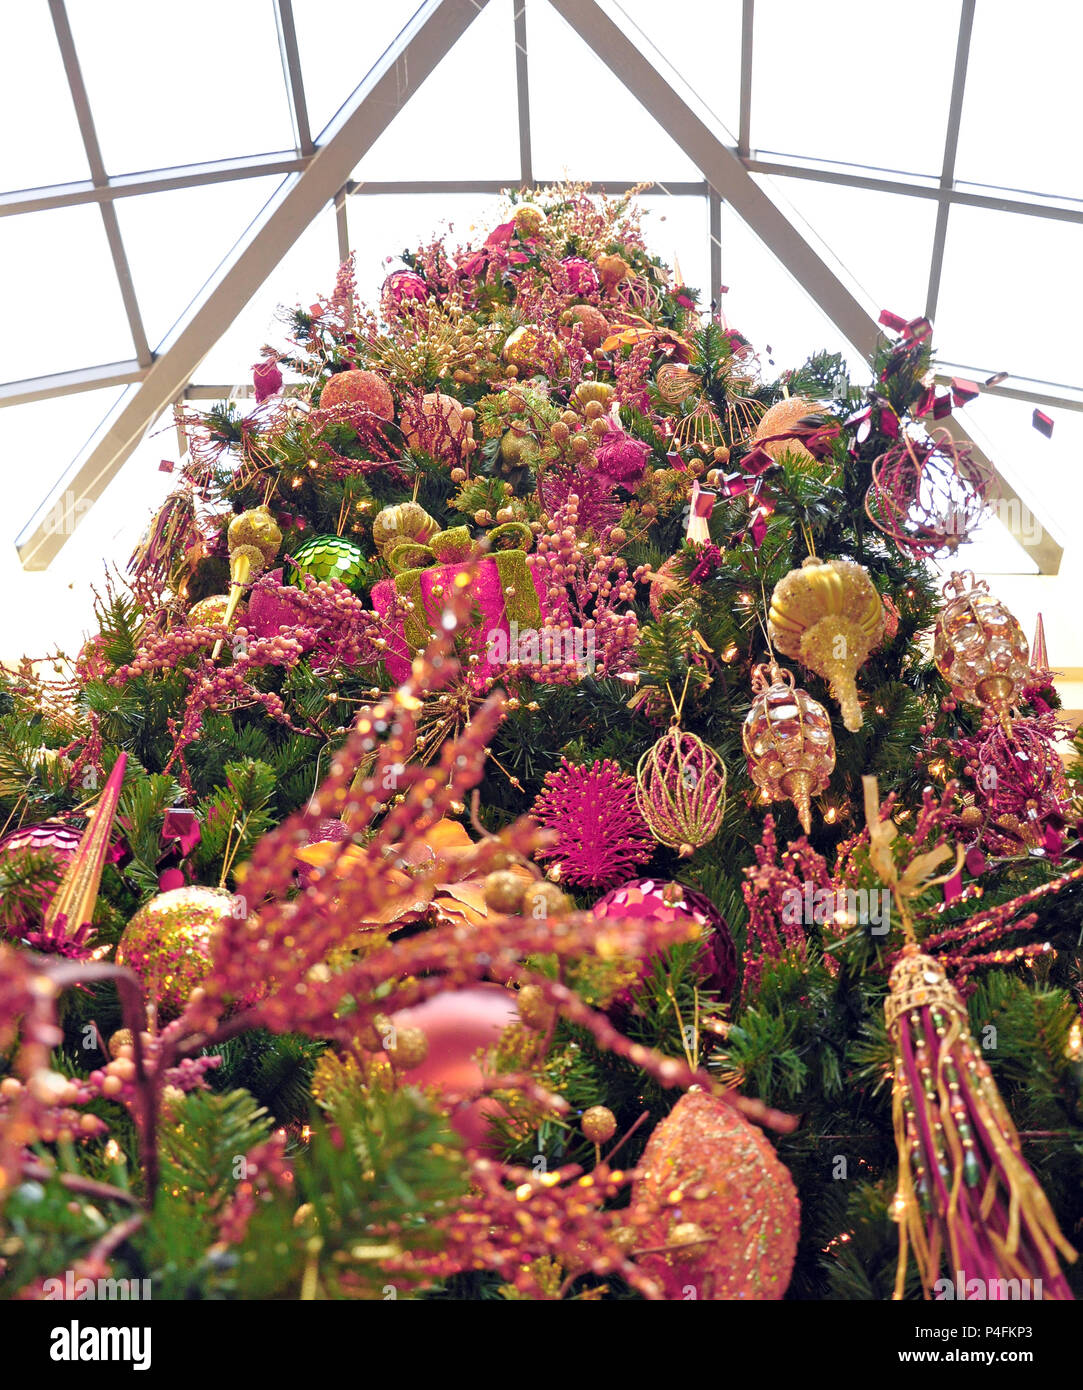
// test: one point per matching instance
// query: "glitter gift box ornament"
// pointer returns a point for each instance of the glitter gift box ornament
(501, 583)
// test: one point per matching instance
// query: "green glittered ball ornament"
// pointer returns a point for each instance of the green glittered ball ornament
(326, 558)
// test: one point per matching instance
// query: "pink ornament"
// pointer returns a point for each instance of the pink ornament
(267, 613)
(658, 901)
(601, 833)
(582, 277)
(622, 458)
(491, 641)
(458, 1025)
(267, 379)
(405, 287)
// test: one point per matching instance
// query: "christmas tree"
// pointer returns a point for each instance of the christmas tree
(533, 823)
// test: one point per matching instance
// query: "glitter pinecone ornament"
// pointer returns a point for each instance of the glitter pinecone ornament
(783, 416)
(364, 389)
(601, 833)
(712, 1192)
(980, 648)
(168, 943)
(681, 791)
(326, 558)
(788, 741)
(829, 616)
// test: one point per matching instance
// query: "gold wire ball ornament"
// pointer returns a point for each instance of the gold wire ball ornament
(783, 416)
(675, 382)
(829, 615)
(979, 647)
(529, 219)
(681, 791)
(788, 741)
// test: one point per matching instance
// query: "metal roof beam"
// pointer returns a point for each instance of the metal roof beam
(291, 72)
(67, 195)
(727, 174)
(744, 129)
(378, 187)
(951, 145)
(522, 89)
(40, 388)
(906, 187)
(395, 77)
(98, 176)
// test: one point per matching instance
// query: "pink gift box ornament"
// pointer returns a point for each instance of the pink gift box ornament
(504, 589)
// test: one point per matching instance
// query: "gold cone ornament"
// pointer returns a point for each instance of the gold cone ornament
(72, 905)
(979, 647)
(829, 616)
(788, 741)
(965, 1192)
(254, 538)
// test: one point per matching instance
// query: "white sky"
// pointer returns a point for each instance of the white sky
(841, 80)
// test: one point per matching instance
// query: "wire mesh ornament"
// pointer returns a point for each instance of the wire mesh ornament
(681, 791)
(979, 647)
(788, 741)
(928, 495)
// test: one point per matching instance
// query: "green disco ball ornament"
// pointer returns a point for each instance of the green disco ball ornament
(326, 558)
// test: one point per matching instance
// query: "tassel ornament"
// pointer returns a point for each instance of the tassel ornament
(964, 1188)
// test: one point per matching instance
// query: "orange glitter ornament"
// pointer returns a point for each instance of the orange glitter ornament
(706, 1168)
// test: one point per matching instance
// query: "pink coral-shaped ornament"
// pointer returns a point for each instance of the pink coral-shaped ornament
(601, 834)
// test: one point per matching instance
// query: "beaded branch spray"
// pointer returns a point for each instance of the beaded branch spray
(964, 1188)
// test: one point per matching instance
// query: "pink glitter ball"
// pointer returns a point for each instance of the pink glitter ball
(622, 458)
(404, 285)
(582, 277)
(601, 832)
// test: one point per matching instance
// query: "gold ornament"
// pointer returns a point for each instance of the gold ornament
(788, 741)
(980, 648)
(779, 418)
(675, 382)
(211, 611)
(599, 1124)
(528, 218)
(599, 391)
(829, 615)
(681, 791)
(169, 941)
(530, 348)
(404, 522)
(535, 1011)
(256, 527)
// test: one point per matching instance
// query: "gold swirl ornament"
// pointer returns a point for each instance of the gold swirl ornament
(829, 615)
